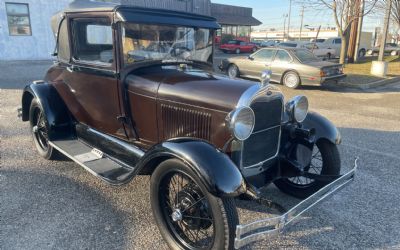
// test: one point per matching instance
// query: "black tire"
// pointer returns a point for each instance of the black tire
(330, 160)
(291, 80)
(233, 71)
(328, 56)
(362, 53)
(237, 51)
(221, 212)
(39, 130)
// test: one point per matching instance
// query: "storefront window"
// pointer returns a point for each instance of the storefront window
(244, 31)
(18, 19)
(234, 30)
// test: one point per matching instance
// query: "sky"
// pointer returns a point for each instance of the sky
(271, 12)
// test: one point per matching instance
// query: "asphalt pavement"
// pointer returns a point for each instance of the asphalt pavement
(58, 205)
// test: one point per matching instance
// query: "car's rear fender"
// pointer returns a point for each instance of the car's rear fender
(212, 167)
(58, 118)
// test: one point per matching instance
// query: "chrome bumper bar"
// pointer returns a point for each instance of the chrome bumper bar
(270, 227)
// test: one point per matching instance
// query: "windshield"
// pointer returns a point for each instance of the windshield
(143, 42)
(305, 55)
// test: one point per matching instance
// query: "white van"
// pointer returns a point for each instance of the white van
(336, 44)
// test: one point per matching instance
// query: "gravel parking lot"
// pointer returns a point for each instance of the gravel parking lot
(58, 205)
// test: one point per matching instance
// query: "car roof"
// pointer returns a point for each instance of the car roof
(129, 13)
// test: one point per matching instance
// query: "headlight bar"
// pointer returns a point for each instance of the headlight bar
(274, 226)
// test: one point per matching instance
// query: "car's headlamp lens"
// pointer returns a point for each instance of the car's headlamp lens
(241, 122)
(297, 108)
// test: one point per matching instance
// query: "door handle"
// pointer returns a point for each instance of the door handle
(71, 68)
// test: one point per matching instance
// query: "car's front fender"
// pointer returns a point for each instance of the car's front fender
(324, 129)
(212, 167)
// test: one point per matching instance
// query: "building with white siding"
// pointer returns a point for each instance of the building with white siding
(25, 32)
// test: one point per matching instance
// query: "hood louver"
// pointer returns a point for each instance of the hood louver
(182, 122)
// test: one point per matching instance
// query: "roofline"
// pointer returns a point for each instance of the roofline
(113, 7)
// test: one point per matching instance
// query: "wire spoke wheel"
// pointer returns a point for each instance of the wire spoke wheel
(39, 129)
(325, 160)
(315, 167)
(187, 211)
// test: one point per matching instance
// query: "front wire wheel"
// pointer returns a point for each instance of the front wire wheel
(325, 161)
(188, 216)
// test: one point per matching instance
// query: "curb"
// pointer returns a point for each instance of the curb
(371, 84)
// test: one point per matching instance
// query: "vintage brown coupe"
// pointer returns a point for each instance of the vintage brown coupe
(133, 92)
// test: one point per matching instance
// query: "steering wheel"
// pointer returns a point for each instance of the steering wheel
(178, 51)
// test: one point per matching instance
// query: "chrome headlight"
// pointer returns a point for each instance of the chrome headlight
(241, 122)
(297, 108)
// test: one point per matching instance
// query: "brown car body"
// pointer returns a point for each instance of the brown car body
(118, 119)
(310, 72)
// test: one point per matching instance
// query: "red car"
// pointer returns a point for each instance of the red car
(238, 47)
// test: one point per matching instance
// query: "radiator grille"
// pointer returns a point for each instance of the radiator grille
(263, 144)
(182, 122)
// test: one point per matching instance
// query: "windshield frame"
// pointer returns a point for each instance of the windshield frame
(145, 63)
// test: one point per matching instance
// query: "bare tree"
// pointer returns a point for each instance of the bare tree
(395, 13)
(344, 13)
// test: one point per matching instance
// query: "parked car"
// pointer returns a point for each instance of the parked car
(327, 53)
(205, 139)
(270, 43)
(237, 47)
(318, 40)
(390, 48)
(336, 44)
(290, 66)
(292, 44)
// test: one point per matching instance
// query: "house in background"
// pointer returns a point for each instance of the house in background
(25, 32)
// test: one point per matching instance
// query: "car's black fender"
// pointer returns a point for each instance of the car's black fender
(58, 118)
(213, 167)
(324, 129)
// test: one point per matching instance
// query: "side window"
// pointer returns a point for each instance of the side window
(282, 56)
(63, 49)
(338, 41)
(264, 55)
(242, 43)
(92, 39)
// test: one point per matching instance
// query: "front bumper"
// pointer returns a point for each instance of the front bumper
(270, 227)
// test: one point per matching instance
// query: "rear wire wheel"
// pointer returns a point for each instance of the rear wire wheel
(39, 130)
(188, 216)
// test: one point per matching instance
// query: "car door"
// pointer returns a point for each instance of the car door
(281, 63)
(258, 62)
(91, 75)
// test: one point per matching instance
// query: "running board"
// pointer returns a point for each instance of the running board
(94, 160)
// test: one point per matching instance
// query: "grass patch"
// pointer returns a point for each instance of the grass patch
(359, 73)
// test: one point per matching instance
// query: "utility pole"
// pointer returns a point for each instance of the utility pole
(284, 26)
(290, 13)
(301, 23)
(385, 30)
(359, 31)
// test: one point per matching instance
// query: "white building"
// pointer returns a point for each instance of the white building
(25, 31)
(306, 34)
